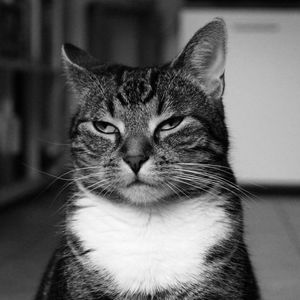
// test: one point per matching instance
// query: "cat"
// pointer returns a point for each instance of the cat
(156, 212)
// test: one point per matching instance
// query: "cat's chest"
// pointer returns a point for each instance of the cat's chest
(145, 252)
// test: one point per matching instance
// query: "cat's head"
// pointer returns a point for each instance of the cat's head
(146, 134)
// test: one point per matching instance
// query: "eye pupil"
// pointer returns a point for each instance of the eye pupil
(172, 121)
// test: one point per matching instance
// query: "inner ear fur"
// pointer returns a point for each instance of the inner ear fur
(78, 64)
(203, 58)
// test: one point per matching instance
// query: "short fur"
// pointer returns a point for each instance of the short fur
(156, 212)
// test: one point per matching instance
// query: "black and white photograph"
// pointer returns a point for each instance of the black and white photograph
(149, 150)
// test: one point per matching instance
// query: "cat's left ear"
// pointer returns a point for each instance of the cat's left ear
(78, 65)
(203, 58)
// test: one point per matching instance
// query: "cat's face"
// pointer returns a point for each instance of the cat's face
(146, 134)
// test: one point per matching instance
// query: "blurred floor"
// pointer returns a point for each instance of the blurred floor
(27, 239)
(273, 234)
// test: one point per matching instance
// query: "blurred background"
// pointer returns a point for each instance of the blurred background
(262, 102)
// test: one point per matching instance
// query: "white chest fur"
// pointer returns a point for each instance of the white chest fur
(147, 250)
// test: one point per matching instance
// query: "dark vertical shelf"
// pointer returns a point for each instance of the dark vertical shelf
(32, 96)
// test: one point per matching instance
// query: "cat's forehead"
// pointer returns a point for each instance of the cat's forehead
(137, 86)
(142, 105)
(135, 98)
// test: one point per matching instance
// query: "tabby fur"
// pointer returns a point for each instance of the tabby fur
(156, 211)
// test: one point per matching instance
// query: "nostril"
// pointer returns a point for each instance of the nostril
(135, 162)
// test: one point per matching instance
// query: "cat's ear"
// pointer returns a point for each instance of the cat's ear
(78, 64)
(203, 58)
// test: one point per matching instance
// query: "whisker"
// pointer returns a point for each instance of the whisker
(180, 190)
(201, 178)
(182, 180)
(172, 188)
(92, 187)
(203, 164)
(208, 179)
(217, 177)
(220, 168)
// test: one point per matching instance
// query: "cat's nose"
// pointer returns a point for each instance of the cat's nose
(135, 161)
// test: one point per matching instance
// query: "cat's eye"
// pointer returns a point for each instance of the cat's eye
(105, 127)
(170, 123)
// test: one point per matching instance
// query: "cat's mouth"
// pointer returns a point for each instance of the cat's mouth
(139, 191)
(137, 182)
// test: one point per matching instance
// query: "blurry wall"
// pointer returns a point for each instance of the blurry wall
(262, 97)
(135, 32)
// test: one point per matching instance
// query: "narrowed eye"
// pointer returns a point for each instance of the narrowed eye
(105, 127)
(170, 123)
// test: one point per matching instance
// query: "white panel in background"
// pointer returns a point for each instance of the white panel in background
(262, 98)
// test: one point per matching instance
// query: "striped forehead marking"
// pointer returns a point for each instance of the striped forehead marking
(138, 87)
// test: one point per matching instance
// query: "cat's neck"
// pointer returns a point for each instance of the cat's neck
(151, 242)
(162, 208)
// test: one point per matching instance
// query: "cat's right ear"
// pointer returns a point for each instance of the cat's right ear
(77, 64)
(203, 58)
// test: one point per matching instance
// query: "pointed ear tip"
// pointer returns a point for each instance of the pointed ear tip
(66, 54)
(64, 50)
(216, 27)
(220, 22)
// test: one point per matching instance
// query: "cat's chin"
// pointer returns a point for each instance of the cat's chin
(142, 193)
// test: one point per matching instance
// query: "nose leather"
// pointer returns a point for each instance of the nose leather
(135, 162)
(135, 151)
